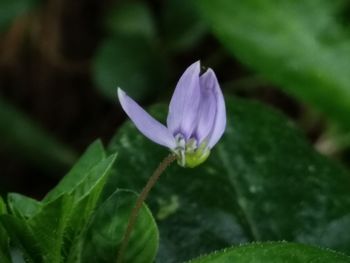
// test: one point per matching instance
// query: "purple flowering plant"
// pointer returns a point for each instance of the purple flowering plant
(266, 194)
(196, 119)
(195, 123)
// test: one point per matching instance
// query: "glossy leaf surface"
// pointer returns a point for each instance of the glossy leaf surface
(263, 181)
(274, 253)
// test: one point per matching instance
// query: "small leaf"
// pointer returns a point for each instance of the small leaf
(274, 253)
(54, 226)
(261, 182)
(107, 228)
(23, 206)
(92, 156)
(85, 197)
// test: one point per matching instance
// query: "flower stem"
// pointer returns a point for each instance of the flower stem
(138, 204)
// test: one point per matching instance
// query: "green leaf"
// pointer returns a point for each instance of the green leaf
(107, 228)
(4, 239)
(49, 226)
(299, 45)
(3, 209)
(86, 197)
(4, 246)
(93, 178)
(23, 206)
(131, 63)
(9, 10)
(84, 184)
(262, 181)
(181, 25)
(92, 157)
(22, 238)
(50, 231)
(24, 138)
(274, 253)
(131, 18)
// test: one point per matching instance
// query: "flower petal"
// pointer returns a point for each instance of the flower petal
(146, 124)
(220, 116)
(184, 104)
(207, 105)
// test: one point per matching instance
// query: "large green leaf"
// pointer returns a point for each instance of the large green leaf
(262, 181)
(107, 228)
(300, 45)
(20, 135)
(274, 253)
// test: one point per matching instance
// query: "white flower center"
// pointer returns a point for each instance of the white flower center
(188, 152)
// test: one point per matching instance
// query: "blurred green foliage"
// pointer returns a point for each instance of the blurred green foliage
(9, 10)
(181, 25)
(135, 55)
(128, 57)
(128, 62)
(300, 45)
(131, 18)
(23, 137)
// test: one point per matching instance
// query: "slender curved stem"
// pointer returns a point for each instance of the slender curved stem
(138, 205)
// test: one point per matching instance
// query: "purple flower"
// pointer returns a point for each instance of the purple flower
(196, 118)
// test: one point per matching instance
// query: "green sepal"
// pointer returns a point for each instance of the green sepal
(196, 157)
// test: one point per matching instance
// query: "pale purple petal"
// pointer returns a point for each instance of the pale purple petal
(146, 124)
(220, 116)
(207, 106)
(184, 104)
